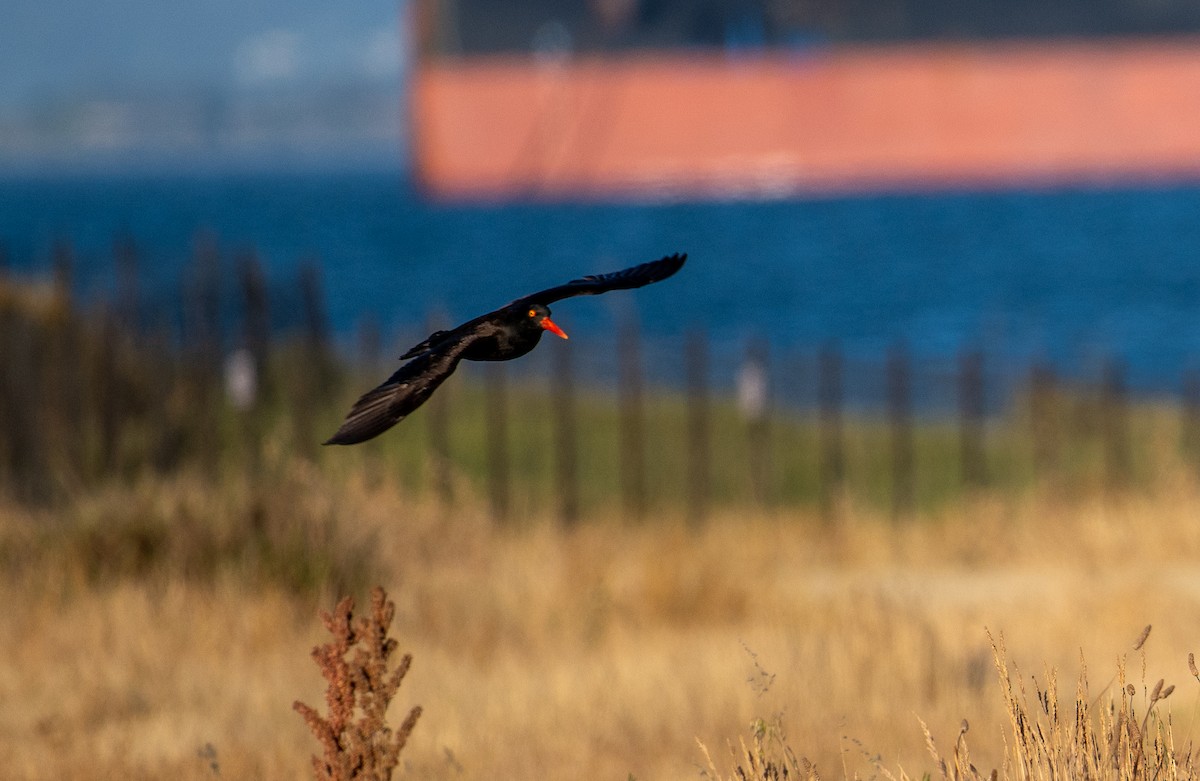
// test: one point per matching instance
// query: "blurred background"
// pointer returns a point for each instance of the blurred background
(903, 210)
(933, 364)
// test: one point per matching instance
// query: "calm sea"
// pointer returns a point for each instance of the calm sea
(1068, 276)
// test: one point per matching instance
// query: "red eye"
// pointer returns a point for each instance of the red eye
(532, 313)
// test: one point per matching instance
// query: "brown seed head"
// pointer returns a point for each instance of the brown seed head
(1142, 638)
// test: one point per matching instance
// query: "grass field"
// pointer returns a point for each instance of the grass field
(601, 652)
(163, 559)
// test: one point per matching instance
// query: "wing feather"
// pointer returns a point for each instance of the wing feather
(409, 387)
(593, 284)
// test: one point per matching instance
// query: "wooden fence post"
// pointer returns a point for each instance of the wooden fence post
(256, 320)
(629, 393)
(322, 376)
(1114, 425)
(833, 456)
(202, 336)
(496, 393)
(62, 259)
(106, 395)
(1189, 434)
(312, 385)
(62, 371)
(15, 374)
(754, 401)
(23, 372)
(438, 432)
(972, 454)
(370, 344)
(900, 411)
(254, 373)
(1043, 420)
(698, 457)
(125, 257)
(567, 470)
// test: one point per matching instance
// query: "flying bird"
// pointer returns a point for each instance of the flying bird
(507, 333)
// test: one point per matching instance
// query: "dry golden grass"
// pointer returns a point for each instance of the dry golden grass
(1122, 734)
(610, 650)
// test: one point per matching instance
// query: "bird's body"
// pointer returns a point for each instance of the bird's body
(509, 332)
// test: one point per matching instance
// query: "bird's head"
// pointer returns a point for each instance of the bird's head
(538, 316)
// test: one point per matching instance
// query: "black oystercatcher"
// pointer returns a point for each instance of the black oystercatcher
(507, 333)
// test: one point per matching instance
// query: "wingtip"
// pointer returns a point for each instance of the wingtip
(674, 262)
(341, 437)
(349, 436)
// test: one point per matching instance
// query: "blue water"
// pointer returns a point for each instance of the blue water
(1069, 276)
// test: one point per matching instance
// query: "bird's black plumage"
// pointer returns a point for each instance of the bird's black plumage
(509, 332)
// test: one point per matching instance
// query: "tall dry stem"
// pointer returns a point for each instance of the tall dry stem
(358, 744)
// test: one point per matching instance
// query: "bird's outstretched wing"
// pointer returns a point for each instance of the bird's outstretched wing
(408, 388)
(636, 276)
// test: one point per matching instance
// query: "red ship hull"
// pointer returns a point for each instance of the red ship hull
(829, 121)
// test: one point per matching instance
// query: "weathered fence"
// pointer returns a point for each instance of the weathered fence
(97, 390)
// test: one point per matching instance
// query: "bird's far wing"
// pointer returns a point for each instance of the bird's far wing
(408, 388)
(636, 276)
(429, 341)
(445, 340)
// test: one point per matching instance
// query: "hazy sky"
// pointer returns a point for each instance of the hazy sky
(64, 48)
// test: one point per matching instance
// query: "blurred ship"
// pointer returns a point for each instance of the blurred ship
(685, 99)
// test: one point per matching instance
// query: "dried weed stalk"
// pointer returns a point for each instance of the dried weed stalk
(357, 742)
(768, 757)
(1124, 734)
(1087, 739)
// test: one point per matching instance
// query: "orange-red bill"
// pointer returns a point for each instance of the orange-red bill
(552, 328)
